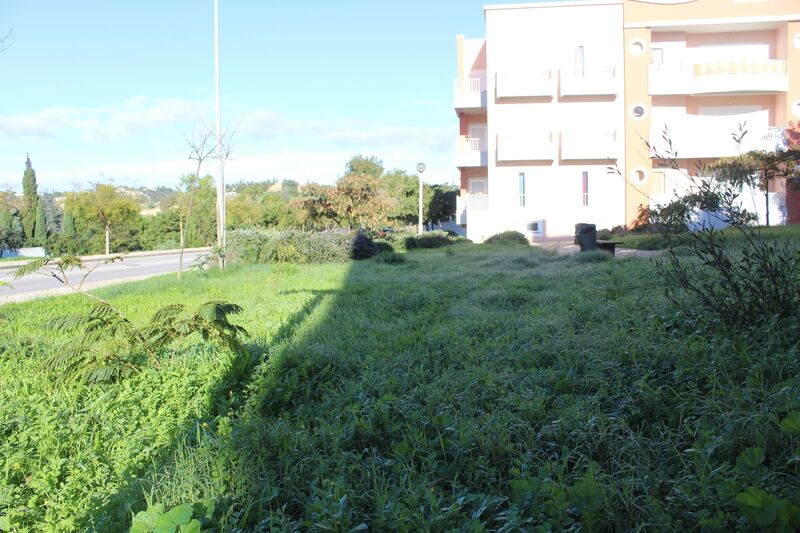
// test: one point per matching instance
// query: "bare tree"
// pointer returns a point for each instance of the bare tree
(7, 40)
(205, 145)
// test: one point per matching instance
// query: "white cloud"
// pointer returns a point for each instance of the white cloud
(136, 115)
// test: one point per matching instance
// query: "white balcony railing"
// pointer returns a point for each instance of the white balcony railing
(582, 144)
(601, 81)
(478, 201)
(708, 77)
(711, 137)
(470, 93)
(471, 152)
(530, 84)
(529, 147)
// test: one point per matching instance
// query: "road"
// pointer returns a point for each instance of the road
(132, 267)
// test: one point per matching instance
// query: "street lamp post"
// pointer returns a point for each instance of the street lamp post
(221, 183)
(420, 170)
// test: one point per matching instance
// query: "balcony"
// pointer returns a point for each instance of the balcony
(711, 137)
(582, 144)
(715, 77)
(603, 81)
(471, 152)
(477, 201)
(536, 147)
(528, 85)
(469, 93)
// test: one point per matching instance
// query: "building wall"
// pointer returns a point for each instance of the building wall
(525, 41)
(698, 67)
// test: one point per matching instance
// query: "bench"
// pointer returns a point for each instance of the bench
(608, 246)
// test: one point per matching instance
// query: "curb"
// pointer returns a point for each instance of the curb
(13, 265)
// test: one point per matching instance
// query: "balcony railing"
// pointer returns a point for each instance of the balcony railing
(700, 137)
(530, 147)
(601, 81)
(470, 93)
(582, 144)
(708, 77)
(471, 152)
(530, 84)
(478, 201)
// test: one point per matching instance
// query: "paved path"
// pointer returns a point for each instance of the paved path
(134, 266)
(567, 248)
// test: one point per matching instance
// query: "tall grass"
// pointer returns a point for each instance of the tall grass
(464, 388)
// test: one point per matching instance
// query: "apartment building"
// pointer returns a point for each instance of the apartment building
(557, 105)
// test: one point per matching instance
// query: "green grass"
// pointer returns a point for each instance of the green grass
(464, 388)
(655, 241)
(6, 259)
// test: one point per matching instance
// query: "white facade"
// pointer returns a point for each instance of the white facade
(558, 104)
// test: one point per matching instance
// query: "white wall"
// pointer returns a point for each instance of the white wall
(525, 40)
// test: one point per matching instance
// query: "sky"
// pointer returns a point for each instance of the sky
(111, 91)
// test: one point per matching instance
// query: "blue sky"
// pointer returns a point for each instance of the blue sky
(110, 90)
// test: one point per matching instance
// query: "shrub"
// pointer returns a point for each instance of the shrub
(604, 234)
(593, 256)
(363, 246)
(507, 237)
(748, 283)
(259, 245)
(432, 239)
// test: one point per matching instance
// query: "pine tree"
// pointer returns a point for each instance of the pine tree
(30, 200)
(40, 228)
(68, 225)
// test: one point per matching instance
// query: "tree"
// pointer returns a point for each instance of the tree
(104, 205)
(200, 149)
(442, 205)
(359, 201)
(758, 169)
(40, 228)
(360, 164)
(30, 200)
(11, 236)
(68, 225)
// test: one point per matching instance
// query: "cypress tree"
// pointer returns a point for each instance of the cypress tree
(5, 220)
(68, 225)
(40, 228)
(30, 200)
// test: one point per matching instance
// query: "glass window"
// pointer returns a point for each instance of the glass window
(585, 188)
(522, 189)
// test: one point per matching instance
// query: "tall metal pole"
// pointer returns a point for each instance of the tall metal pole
(220, 155)
(420, 170)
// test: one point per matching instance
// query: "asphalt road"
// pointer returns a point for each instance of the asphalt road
(132, 267)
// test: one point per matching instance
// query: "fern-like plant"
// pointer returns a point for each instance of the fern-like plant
(107, 346)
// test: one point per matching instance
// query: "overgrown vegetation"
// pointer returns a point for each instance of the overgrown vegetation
(507, 237)
(509, 389)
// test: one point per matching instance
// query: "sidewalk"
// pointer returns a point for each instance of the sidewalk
(14, 265)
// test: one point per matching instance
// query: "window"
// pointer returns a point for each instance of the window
(580, 62)
(478, 186)
(536, 227)
(522, 189)
(657, 56)
(585, 189)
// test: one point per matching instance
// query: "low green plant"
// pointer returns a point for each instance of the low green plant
(107, 346)
(390, 258)
(184, 518)
(507, 237)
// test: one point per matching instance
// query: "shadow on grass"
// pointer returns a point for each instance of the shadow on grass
(226, 399)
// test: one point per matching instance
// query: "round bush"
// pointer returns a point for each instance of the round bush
(507, 237)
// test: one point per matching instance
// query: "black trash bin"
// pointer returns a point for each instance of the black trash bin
(586, 236)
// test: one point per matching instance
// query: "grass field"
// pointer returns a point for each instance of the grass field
(470, 388)
(650, 241)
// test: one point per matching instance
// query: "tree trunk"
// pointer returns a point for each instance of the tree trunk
(766, 198)
(108, 233)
